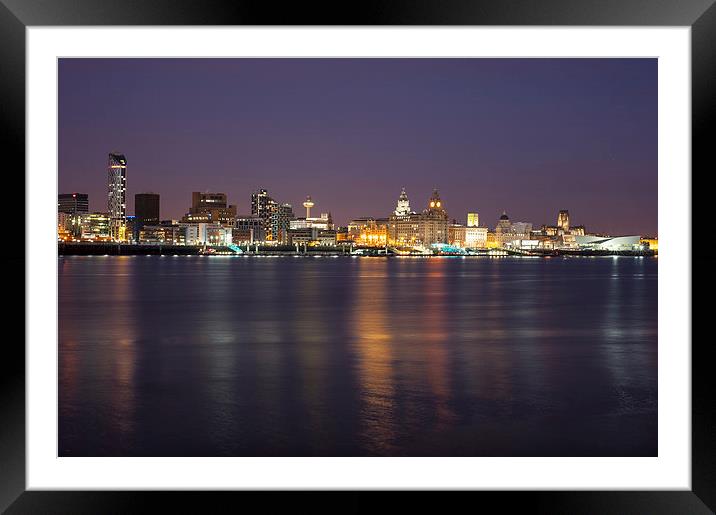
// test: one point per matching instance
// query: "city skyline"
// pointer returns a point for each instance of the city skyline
(354, 163)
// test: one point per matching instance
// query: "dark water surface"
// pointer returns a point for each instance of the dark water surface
(237, 356)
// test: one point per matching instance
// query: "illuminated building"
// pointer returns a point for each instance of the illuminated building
(403, 207)
(652, 243)
(116, 194)
(63, 234)
(146, 211)
(578, 230)
(210, 208)
(473, 220)
(264, 207)
(615, 243)
(475, 237)
(549, 230)
(506, 231)
(563, 221)
(323, 222)
(206, 234)
(370, 232)
(96, 227)
(456, 235)
(72, 206)
(280, 217)
(311, 236)
(162, 234)
(249, 229)
(492, 241)
(469, 236)
(426, 228)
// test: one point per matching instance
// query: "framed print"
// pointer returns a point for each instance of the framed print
(416, 248)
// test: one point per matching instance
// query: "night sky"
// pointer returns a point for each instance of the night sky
(528, 136)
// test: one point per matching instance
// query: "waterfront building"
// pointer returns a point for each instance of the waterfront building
(311, 236)
(503, 224)
(323, 222)
(467, 236)
(96, 227)
(162, 234)
(342, 235)
(63, 233)
(368, 231)
(326, 238)
(475, 237)
(506, 231)
(264, 207)
(249, 229)
(650, 242)
(426, 228)
(117, 195)
(203, 233)
(456, 235)
(615, 243)
(473, 220)
(146, 211)
(493, 241)
(73, 203)
(72, 206)
(210, 208)
(521, 228)
(280, 219)
(403, 207)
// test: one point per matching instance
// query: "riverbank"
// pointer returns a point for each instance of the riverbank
(123, 249)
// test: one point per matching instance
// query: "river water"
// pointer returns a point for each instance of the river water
(309, 356)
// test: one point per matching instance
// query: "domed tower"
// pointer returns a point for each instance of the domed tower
(503, 224)
(403, 207)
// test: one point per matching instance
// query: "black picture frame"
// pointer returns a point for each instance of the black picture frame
(17, 15)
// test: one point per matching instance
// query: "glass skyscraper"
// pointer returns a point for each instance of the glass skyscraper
(116, 194)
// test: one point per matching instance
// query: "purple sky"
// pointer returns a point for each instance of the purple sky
(529, 136)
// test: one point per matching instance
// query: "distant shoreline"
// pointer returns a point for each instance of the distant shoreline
(123, 249)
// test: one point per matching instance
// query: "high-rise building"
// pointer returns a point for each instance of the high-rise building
(473, 220)
(263, 206)
(210, 208)
(281, 216)
(563, 220)
(260, 203)
(146, 211)
(116, 194)
(146, 207)
(73, 203)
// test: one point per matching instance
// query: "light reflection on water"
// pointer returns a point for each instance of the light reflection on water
(215, 357)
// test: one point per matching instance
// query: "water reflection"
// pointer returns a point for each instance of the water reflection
(195, 356)
(371, 331)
